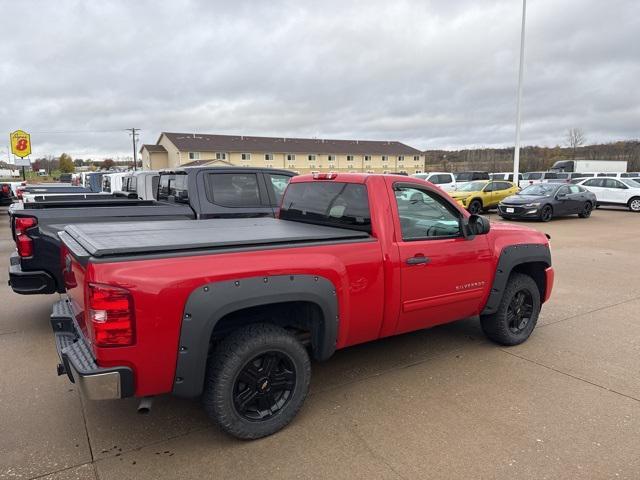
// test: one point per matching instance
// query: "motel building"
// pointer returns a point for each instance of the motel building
(302, 155)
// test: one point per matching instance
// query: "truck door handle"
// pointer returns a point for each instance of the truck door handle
(418, 260)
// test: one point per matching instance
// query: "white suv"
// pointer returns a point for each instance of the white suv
(444, 180)
(613, 191)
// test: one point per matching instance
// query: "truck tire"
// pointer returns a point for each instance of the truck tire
(256, 381)
(517, 313)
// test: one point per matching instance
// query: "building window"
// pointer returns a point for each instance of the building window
(291, 157)
(385, 171)
(291, 165)
(246, 156)
(385, 158)
(311, 165)
(332, 158)
(403, 171)
(416, 159)
(418, 171)
(221, 156)
(331, 165)
(350, 159)
(269, 166)
(311, 158)
(401, 158)
(367, 158)
(385, 166)
(371, 171)
(350, 166)
(194, 155)
(268, 157)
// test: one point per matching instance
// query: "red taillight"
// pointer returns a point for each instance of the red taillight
(19, 193)
(110, 316)
(5, 188)
(23, 242)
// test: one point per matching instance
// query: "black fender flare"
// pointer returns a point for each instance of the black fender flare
(511, 257)
(209, 303)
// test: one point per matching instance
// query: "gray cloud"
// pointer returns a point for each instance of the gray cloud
(435, 74)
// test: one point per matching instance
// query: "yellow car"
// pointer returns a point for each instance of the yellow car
(483, 194)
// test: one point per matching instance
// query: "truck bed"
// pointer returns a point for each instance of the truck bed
(103, 240)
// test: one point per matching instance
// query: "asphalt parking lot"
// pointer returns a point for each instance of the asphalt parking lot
(442, 403)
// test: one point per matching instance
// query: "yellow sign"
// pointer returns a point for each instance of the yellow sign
(20, 143)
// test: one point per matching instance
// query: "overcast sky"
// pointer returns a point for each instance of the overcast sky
(433, 74)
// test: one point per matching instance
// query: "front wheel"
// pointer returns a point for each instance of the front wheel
(517, 314)
(474, 207)
(257, 380)
(634, 204)
(586, 210)
(547, 213)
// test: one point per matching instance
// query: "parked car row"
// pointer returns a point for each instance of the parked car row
(582, 192)
(201, 293)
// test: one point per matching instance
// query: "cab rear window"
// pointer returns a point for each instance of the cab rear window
(334, 204)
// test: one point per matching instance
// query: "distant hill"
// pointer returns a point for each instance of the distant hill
(531, 158)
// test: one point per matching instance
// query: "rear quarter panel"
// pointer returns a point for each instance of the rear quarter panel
(162, 286)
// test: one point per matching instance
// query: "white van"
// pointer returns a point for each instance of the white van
(444, 180)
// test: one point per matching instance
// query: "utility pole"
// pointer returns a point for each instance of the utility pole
(516, 152)
(134, 137)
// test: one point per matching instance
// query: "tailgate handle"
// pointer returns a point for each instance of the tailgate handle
(418, 260)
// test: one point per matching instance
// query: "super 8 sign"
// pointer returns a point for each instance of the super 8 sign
(20, 143)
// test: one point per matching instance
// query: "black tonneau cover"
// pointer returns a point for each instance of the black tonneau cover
(106, 239)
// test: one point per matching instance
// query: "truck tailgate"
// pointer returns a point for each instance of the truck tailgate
(101, 240)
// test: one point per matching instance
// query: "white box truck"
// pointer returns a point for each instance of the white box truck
(590, 166)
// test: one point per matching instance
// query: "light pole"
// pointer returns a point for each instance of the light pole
(516, 152)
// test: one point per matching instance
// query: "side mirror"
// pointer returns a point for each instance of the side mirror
(476, 225)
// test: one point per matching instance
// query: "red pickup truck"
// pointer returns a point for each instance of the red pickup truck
(232, 309)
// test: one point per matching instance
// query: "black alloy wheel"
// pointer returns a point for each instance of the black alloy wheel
(587, 208)
(520, 311)
(264, 386)
(517, 314)
(256, 380)
(474, 207)
(546, 214)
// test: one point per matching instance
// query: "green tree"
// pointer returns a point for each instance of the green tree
(66, 164)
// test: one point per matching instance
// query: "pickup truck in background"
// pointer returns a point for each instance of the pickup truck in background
(232, 309)
(142, 185)
(6, 195)
(190, 193)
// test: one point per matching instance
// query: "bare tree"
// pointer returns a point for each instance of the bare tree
(575, 139)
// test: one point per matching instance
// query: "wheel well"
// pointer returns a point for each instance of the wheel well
(535, 270)
(476, 199)
(632, 199)
(303, 318)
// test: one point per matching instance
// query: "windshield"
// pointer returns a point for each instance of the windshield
(630, 183)
(464, 176)
(538, 190)
(532, 176)
(472, 187)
